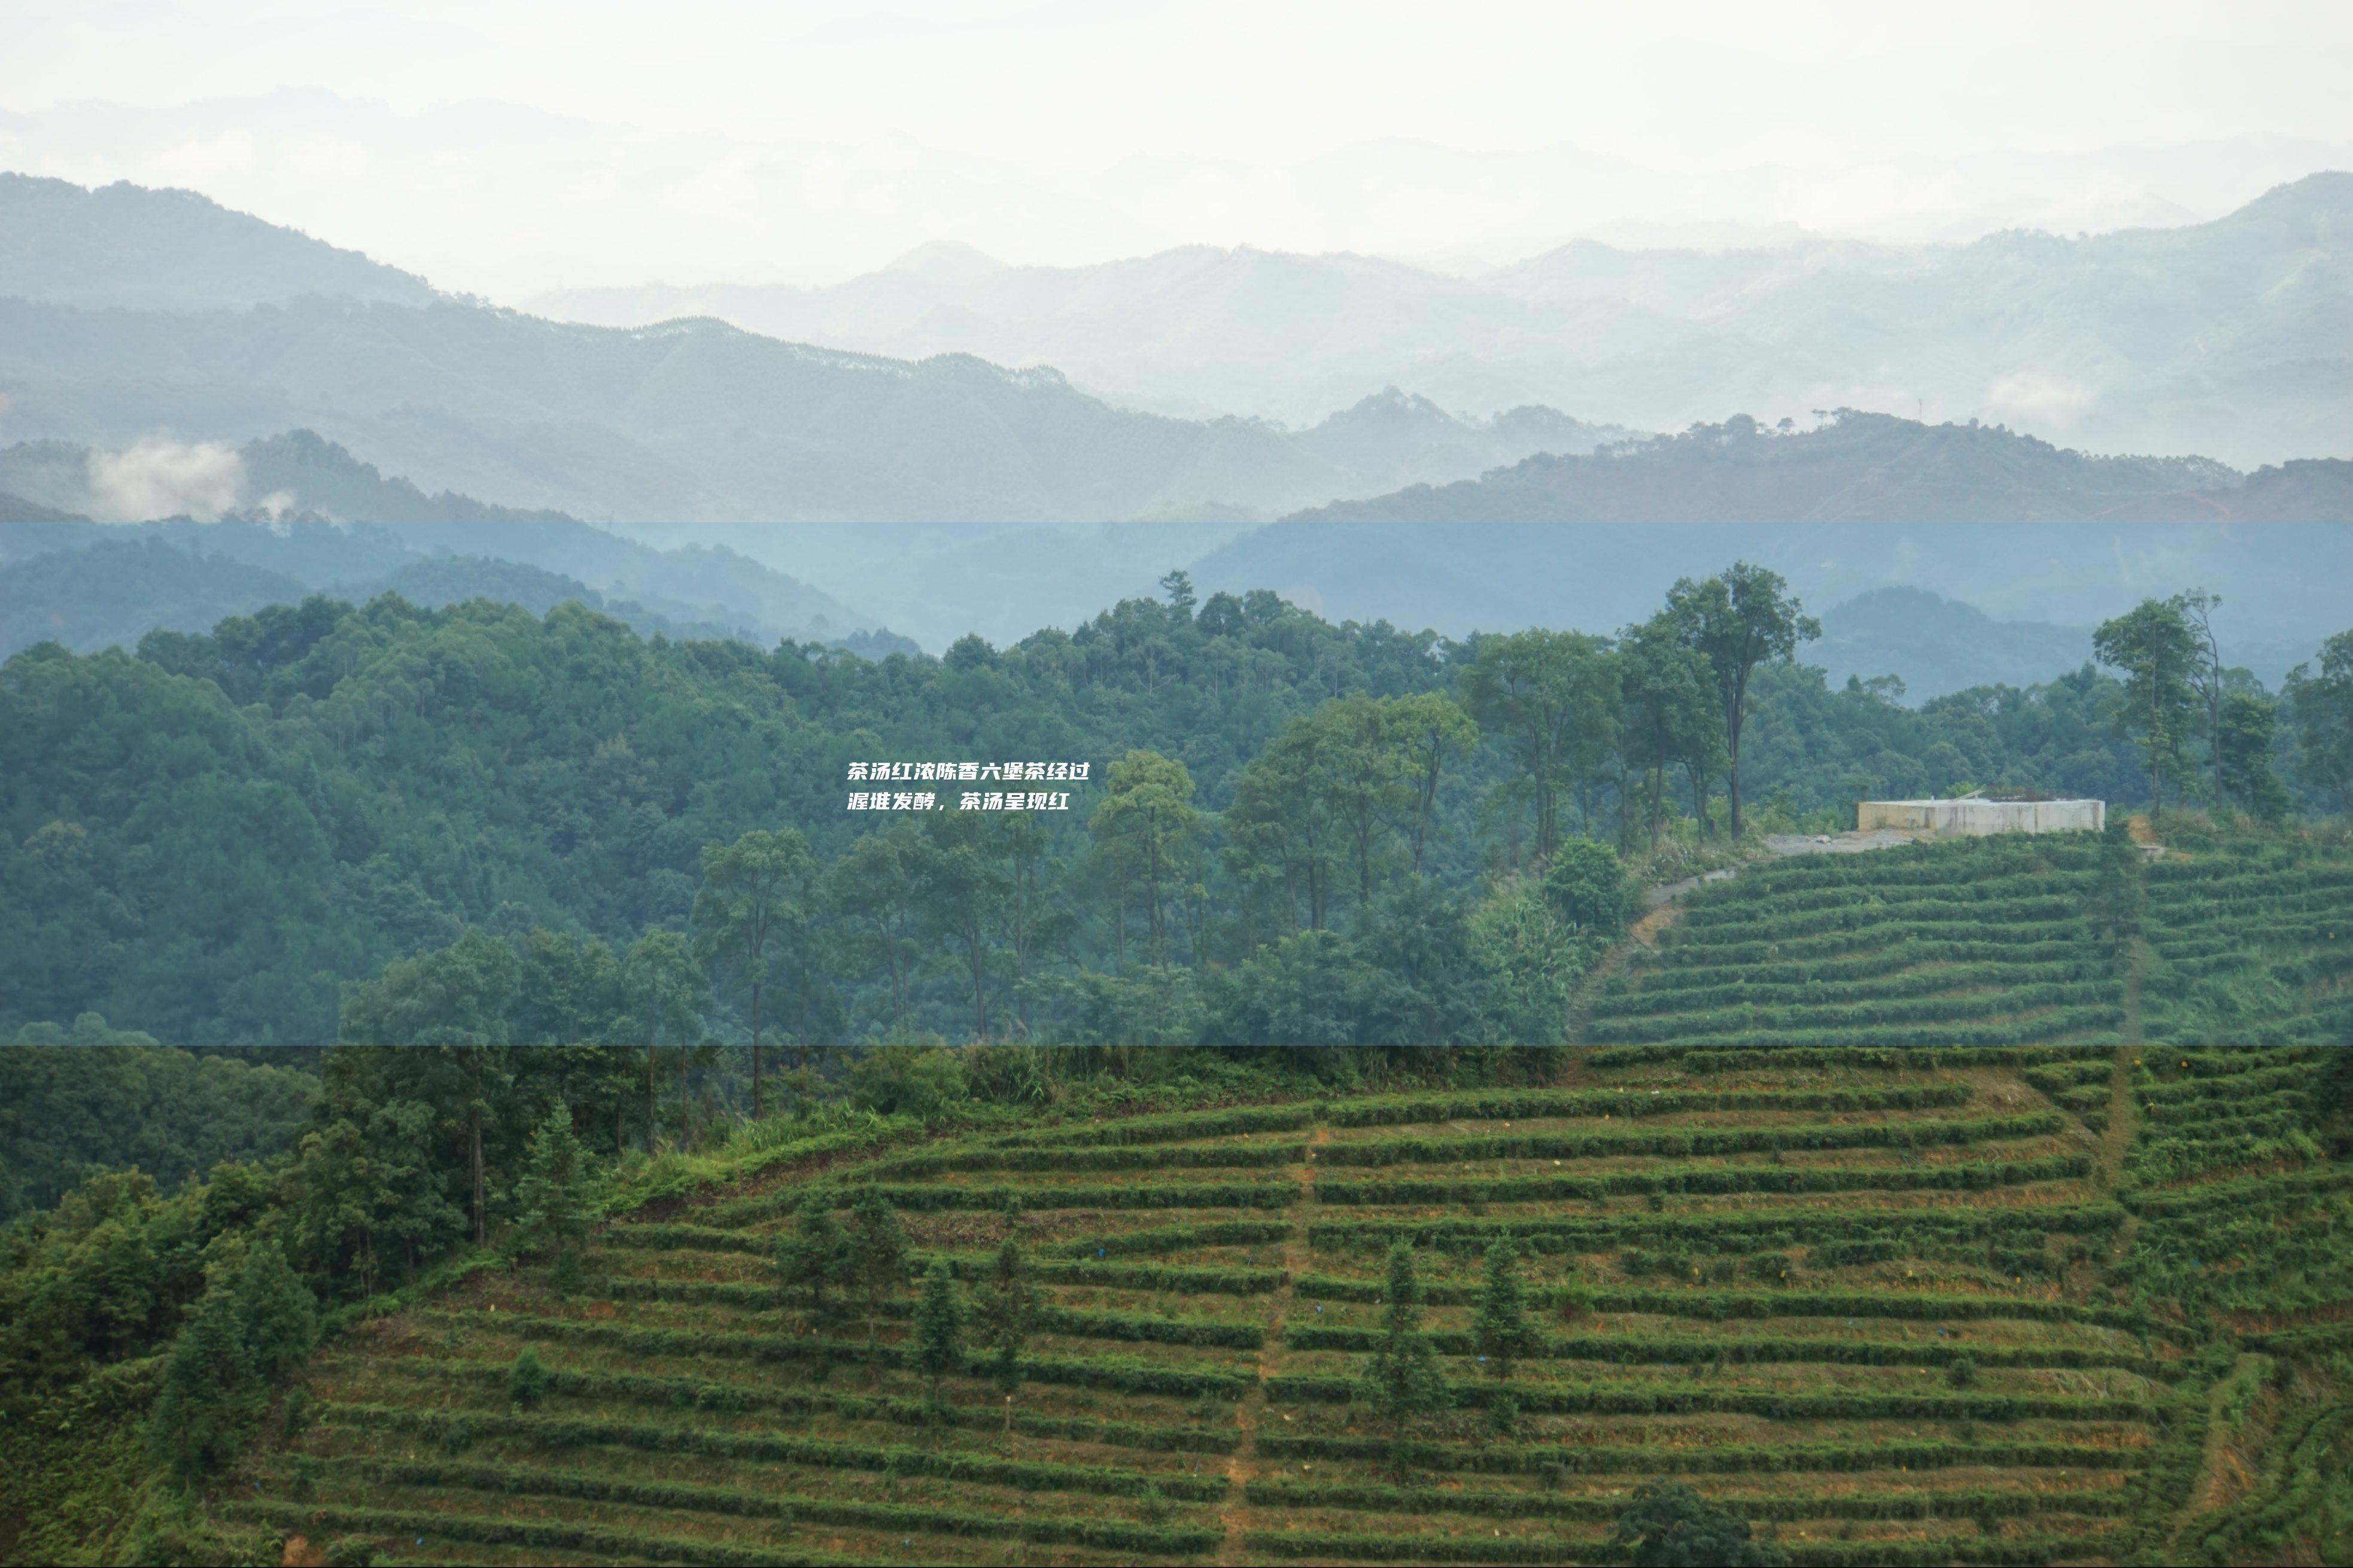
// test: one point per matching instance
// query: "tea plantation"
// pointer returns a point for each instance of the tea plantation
(1965, 1204)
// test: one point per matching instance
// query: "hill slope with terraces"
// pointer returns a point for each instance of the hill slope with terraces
(1957, 1203)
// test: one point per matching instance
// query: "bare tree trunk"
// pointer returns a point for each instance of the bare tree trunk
(1732, 787)
(757, 1107)
(481, 1216)
(979, 988)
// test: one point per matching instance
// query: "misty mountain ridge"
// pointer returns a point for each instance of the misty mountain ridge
(111, 590)
(1857, 467)
(129, 246)
(331, 520)
(697, 419)
(2229, 336)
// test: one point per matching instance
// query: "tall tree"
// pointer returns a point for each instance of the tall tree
(557, 1194)
(1365, 778)
(1552, 698)
(2198, 607)
(277, 1313)
(1148, 832)
(661, 989)
(1500, 1328)
(874, 889)
(1433, 729)
(1667, 713)
(960, 890)
(1403, 1384)
(1005, 1307)
(1738, 620)
(939, 1327)
(452, 1010)
(1279, 830)
(2322, 705)
(2245, 726)
(364, 1200)
(1029, 917)
(816, 1256)
(2155, 650)
(752, 899)
(878, 1253)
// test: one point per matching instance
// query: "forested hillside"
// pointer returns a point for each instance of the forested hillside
(208, 840)
(2059, 1277)
(1288, 829)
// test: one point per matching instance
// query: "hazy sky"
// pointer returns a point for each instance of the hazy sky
(514, 146)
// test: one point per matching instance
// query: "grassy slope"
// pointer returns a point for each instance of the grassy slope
(1789, 1251)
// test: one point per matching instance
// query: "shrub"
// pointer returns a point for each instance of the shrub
(526, 1379)
(1668, 1525)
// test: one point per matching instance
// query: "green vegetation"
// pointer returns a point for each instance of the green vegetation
(1325, 836)
(1976, 1202)
(1926, 1305)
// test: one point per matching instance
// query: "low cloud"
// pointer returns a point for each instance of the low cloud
(162, 477)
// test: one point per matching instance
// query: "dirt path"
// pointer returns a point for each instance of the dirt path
(1663, 911)
(1297, 1258)
(2117, 1137)
(2221, 1477)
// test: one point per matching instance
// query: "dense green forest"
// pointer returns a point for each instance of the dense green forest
(1291, 830)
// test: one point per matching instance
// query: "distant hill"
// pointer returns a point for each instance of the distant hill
(114, 592)
(316, 476)
(1936, 645)
(125, 246)
(2282, 583)
(313, 513)
(111, 590)
(2232, 337)
(297, 473)
(17, 509)
(1865, 467)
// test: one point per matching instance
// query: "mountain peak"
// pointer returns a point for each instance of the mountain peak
(950, 263)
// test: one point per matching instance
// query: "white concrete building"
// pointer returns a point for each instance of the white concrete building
(1974, 815)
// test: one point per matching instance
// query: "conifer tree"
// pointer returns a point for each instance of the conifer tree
(1501, 1329)
(1404, 1383)
(1005, 1306)
(815, 1258)
(557, 1194)
(939, 1327)
(878, 1255)
(526, 1379)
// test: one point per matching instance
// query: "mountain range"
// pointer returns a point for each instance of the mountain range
(2232, 337)
(685, 419)
(1864, 467)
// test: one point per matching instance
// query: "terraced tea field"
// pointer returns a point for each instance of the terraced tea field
(1942, 1205)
